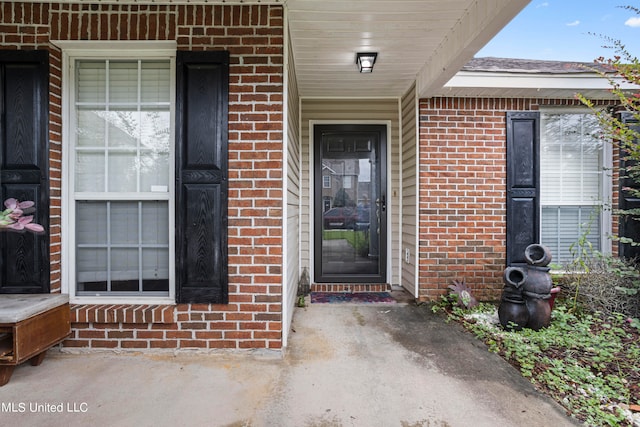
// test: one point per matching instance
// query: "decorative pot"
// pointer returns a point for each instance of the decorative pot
(513, 313)
(538, 280)
(554, 293)
(514, 277)
(537, 254)
(539, 313)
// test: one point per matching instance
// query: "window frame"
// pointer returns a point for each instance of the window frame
(606, 181)
(72, 51)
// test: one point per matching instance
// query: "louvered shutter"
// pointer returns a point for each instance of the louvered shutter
(629, 227)
(523, 178)
(24, 172)
(201, 173)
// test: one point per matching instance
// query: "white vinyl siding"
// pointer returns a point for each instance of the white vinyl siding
(293, 269)
(572, 179)
(409, 199)
(122, 121)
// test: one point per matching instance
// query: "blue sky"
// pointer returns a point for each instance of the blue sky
(564, 30)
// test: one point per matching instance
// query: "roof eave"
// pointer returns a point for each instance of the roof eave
(546, 85)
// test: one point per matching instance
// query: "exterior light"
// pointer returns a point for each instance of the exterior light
(365, 61)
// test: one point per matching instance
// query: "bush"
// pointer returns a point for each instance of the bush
(604, 283)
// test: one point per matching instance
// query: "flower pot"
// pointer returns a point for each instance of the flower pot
(554, 293)
(538, 280)
(539, 313)
(514, 277)
(513, 313)
(537, 254)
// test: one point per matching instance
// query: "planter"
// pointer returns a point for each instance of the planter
(538, 280)
(514, 277)
(538, 255)
(554, 293)
(539, 313)
(513, 313)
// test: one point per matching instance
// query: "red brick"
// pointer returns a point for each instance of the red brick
(164, 344)
(134, 344)
(256, 95)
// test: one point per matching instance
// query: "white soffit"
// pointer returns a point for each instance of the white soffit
(525, 85)
(423, 40)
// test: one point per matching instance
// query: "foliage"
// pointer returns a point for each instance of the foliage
(13, 218)
(587, 362)
(601, 282)
(607, 284)
(582, 252)
(623, 68)
(343, 199)
(358, 239)
(457, 300)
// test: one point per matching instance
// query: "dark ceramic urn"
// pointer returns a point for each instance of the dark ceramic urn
(525, 296)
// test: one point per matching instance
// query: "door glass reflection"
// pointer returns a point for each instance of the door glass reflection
(350, 215)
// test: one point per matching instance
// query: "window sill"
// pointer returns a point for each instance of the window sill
(122, 313)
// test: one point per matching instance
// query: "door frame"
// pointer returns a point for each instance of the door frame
(312, 184)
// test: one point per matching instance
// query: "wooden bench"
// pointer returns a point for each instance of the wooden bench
(29, 326)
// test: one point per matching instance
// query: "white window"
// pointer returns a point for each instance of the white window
(574, 185)
(347, 181)
(119, 192)
(326, 181)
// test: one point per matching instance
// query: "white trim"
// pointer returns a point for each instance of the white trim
(300, 189)
(606, 227)
(285, 187)
(389, 178)
(116, 49)
(400, 188)
(483, 84)
(312, 183)
(537, 81)
(416, 256)
(72, 50)
(348, 98)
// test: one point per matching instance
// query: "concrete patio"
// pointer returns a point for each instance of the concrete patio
(347, 365)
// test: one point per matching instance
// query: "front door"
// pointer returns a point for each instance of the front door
(350, 203)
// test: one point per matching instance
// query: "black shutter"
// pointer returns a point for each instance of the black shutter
(628, 226)
(523, 178)
(24, 172)
(202, 80)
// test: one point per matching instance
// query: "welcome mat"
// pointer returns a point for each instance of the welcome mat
(352, 297)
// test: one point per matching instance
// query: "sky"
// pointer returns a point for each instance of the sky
(567, 30)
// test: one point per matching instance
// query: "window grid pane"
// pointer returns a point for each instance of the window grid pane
(122, 150)
(562, 226)
(115, 253)
(571, 181)
(121, 112)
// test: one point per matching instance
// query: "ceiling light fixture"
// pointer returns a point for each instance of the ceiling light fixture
(365, 61)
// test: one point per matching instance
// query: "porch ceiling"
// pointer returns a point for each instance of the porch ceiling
(426, 41)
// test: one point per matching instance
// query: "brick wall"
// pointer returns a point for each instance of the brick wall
(253, 34)
(462, 185)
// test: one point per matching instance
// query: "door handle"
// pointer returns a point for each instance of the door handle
(381, 202)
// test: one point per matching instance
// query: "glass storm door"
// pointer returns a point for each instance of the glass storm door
(350, 205)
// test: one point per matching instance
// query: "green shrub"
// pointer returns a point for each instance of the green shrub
(604, 283)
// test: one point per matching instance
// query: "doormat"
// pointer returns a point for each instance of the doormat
(352, 297)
